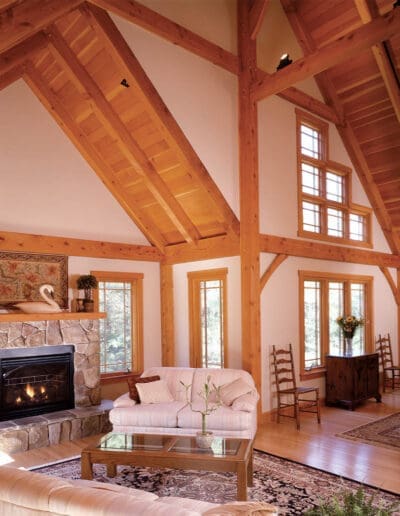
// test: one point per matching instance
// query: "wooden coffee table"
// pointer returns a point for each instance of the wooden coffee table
(171, 451)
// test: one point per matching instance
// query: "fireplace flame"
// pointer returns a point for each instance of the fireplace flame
(42, 389)
(30, 391)
(19, 399)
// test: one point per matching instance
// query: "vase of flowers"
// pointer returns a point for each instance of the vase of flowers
(204, 438)
(349, 324)
(87, 283)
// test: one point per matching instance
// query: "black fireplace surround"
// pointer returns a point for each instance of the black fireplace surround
(36, 380)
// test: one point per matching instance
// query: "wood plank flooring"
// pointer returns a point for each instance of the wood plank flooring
(314, 445)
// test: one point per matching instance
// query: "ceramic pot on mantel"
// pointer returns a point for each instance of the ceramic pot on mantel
(348, 346)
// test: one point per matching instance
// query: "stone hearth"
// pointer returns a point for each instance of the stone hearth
(90, 415)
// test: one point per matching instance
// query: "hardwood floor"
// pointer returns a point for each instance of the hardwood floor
(315, 445)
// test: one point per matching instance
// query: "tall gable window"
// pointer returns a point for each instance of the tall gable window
(120, 295)
(325, 208)
(208, 318)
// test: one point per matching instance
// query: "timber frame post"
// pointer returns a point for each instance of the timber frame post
(249, 201)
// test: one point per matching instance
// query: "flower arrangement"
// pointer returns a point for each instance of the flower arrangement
(349, 324)
(205, 393)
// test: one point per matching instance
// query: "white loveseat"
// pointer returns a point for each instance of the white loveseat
(239, 419)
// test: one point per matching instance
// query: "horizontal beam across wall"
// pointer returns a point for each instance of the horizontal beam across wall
(318, 251)
(24, 243)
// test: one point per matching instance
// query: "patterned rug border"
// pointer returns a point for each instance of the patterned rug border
(358, 482)
(371, 442)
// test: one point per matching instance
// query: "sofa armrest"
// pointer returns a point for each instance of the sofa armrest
(124, 401)
(246, 402)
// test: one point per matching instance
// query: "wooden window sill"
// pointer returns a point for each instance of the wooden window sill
(313, 373)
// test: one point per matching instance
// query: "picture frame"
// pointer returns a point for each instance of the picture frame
(21, 275)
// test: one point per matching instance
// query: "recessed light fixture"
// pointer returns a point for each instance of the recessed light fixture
(285, 60)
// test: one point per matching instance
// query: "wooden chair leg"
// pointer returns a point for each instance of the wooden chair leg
(318, 408)
(278, 416)
(296, 411)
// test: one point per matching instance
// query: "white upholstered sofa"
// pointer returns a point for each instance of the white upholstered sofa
(26, 493)
(237, 418)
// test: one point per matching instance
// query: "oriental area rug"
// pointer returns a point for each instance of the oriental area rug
(292, 487)
(383, 432)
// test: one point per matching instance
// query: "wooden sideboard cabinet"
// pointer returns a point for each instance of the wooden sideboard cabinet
(350, 380)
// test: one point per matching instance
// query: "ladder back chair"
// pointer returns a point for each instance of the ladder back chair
(391, 372)
(288, 394)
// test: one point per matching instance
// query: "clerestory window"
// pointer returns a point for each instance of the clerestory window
(325, 208)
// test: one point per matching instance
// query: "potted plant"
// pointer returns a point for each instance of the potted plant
(87, 282)
(204, 438)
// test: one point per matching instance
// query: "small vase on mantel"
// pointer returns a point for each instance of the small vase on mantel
(348, 347)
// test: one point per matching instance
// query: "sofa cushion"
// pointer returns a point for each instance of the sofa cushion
(154, 392)
(155, 415)
(232, 390)
(133, 392)
(139, 494)
(246, 402)
(218, 377)
(175, 377)
(224, 418)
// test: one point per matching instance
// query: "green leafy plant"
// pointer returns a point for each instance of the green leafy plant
(351, 503)
(86, 283)
(349, 324)
(205, 393)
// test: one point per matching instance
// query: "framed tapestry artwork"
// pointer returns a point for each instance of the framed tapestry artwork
(21, 275)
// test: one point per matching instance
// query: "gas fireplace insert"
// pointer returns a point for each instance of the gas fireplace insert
(36, 380)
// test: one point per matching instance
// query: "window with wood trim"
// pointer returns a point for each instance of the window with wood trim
(208, 318)
(120, 295)
(325, 208)
(323, 298)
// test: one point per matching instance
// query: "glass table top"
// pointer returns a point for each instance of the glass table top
(221, 446)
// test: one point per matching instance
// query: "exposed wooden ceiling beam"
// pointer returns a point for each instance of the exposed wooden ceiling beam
(25, 242)
(343, 49)
(88, 151)
(121, 52)
(345, 131)
(318, 251)
(127, 144)
(24, 19)
(206, 249)
(17, 55)
(368, 11)
(257, 13)
(171, 31)
(11, 76)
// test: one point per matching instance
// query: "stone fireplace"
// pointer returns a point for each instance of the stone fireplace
(33, 335)
(83, 334)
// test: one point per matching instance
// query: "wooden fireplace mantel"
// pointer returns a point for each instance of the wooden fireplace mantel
(65, 316)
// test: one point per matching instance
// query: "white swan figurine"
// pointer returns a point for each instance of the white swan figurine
(32, 307)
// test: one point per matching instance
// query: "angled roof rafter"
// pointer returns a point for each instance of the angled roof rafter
(64, 120)
(120, 51)
(346, 132)
(342, 49)
(126, 142)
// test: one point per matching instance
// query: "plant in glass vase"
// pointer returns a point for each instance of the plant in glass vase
(211, 398)
(349, 324)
